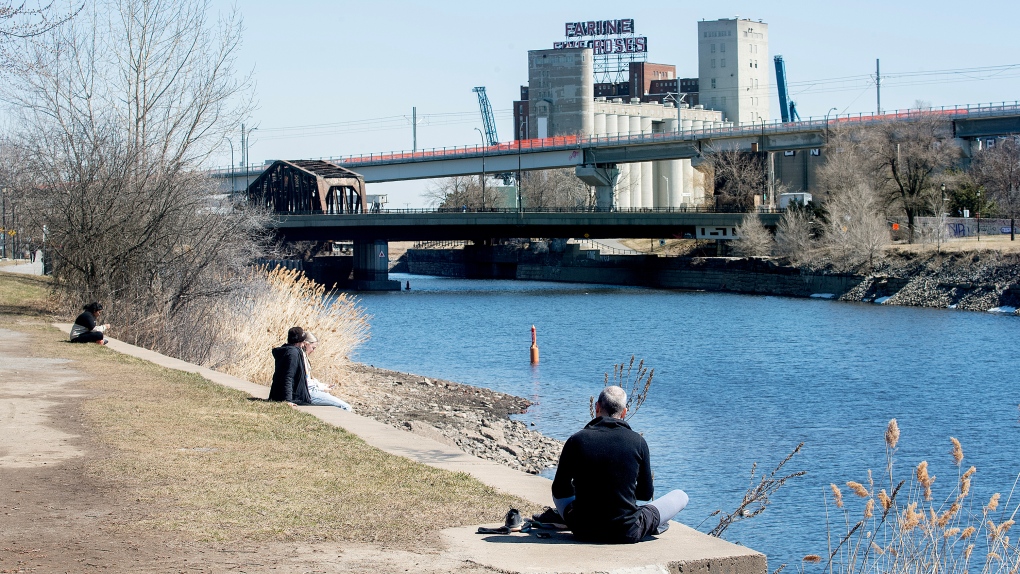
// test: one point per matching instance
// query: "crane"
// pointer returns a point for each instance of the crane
(488, 120)
(787, 107)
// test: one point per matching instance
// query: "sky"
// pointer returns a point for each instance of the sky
(339, 78)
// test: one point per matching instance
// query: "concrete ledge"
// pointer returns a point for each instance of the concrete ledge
(680, 549)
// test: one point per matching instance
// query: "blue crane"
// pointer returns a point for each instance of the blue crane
(787, 107)
(488, 120)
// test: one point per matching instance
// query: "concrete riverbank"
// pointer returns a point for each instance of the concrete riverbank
(977, 279)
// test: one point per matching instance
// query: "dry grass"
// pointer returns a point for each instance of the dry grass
(258, 321)
(25, 294)
(1000, 243)
(220, 466)
(900, 526)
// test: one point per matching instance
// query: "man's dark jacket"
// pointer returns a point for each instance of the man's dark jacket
(290, 380)
(606, 467)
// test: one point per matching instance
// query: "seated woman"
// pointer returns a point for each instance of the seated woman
(86, 329)
(319, 392)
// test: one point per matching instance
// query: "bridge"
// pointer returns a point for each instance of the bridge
(372, 232)
(969, 122)
(592, 158)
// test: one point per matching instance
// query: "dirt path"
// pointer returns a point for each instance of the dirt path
(58, 516)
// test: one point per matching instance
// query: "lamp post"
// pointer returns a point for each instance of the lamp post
(247, 158)
(481, 135)
(229, 141)
(3, 192)
(979, 215)
(827, 123)
(669, 200)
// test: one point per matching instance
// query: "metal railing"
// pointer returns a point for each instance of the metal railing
(603, 248)
(577, 142)
(565, 210)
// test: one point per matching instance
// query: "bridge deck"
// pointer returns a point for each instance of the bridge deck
(444, 226)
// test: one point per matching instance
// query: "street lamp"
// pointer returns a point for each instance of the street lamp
(481, 135)
(827, 123)
(231, 142)
(979, 215)
(247, 158)
(669, 200)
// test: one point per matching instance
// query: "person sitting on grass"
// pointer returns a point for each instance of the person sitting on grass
(604, 470)
(318, 391)
(85, 328)
(290, 379)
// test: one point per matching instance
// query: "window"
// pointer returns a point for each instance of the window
(713, 83)
(722, 63)
(750, 63)
(755, 82)
(724, 100)
(713, 62)
(713, 101)
(722, 47)
(713, 48)
(756, 63)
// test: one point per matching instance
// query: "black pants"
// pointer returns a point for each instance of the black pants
(90, 337)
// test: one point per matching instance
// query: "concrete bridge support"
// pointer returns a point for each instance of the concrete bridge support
(372, 266)
(604, 181)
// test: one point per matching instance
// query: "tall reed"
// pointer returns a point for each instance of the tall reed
(278, 299)
(900, 526)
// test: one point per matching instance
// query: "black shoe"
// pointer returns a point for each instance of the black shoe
(514, 521)
(549, 519)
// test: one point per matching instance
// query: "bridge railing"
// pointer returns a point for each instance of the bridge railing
(514, 210)
(776, 127)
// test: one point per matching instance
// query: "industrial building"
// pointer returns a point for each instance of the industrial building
(563, 98)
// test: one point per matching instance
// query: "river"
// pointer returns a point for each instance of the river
(738, 379)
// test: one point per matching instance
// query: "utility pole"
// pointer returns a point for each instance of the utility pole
(414, 130)
(878, 89)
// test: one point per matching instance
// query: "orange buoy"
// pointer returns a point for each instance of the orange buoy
(534, 346)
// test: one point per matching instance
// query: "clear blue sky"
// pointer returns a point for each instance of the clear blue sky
(325, 64)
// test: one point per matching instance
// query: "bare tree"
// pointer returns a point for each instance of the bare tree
(21, 22)
(738, 177)
(910, 156)
(454, 192)
(753, 239)
(115, 117)
(539, 189)
(793, 236)
(856, 232)
(998, 170)
(554, 188)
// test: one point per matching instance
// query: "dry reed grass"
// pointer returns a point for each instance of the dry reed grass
(914, 531)
(635, 383)
(258, 318)
(758, 496)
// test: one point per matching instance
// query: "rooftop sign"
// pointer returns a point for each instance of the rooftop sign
(610, 37)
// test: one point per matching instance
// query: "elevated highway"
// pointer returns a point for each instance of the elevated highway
(969, 122)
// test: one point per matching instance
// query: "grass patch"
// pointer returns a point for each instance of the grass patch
(25, 295)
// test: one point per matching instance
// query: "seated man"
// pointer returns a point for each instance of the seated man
(290, 379)
(319, 392)
(604, 470)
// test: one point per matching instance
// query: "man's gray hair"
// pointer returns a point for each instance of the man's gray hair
(613, 401)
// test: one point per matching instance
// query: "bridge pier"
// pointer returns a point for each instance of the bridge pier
(372, 266)
(604, 180)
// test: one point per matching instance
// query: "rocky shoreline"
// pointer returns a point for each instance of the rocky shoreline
(971, 281)
(474, 419)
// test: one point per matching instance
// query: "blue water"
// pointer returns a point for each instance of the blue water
(738, 379)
